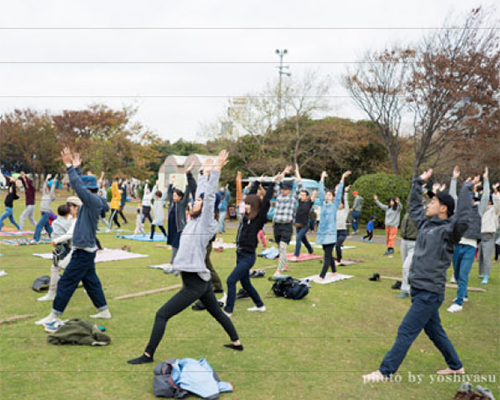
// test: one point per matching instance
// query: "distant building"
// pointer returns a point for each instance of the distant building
(177, 166)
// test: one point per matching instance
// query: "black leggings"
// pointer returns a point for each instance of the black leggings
(120, 211)
(497, 251)
(369, 235)
(162, 229)
(146, 214)
(328, 261)
(194, 288)
(114, 218)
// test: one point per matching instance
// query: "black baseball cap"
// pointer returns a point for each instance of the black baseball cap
(444, 199)
(287, 185)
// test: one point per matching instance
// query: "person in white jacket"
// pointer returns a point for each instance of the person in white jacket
(146, 204)
(61, 240)
(489, 225)
(158, 211)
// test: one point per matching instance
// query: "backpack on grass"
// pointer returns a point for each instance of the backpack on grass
(290, 288)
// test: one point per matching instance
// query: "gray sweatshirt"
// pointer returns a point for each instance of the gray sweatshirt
(392, 216)
(199, 231)
(358, 204)
(47, 198)
(60, 227)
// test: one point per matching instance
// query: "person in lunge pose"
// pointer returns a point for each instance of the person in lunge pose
(9, 203)
(254, 219)
(327, 229)
(190, 261)
(439, 230)
(81, 267)
(30, 193)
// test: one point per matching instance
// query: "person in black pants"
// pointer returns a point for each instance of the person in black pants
(190, 261)
(253, 221)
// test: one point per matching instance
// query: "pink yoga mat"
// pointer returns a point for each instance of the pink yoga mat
(303, 257)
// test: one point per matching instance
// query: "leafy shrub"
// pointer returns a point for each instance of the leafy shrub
(384, 186)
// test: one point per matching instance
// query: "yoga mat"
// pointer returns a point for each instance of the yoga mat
(329, 279)
(318, 246)
(16, 233)
(346, 263)
(143, 238)
(23, 242)
(104, 256)
(222, 245)
(303, 257)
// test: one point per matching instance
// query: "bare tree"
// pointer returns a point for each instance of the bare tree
(377, 87)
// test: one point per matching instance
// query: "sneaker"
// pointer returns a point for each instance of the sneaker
(242, 294)
(454, 308)
(199, 306)
(452, 279)
(465, 300)
(48, 297)
(375, 376)
(402, 295)
(386, 253)
(47, 320)
(370, 241)
(53, 326)
(105, 314)
(363, 239)
(259, 309)
(484, 281)
(227, 314)
(396, 286)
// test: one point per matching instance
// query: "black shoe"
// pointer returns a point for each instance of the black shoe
(242, 294)
(397, 285)
(199, 306)
(375, 277)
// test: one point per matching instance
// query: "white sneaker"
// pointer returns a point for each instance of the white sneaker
(223, 299)
(454, 308)
(453, 280)
(465, 300)
(47, 320)
(260, 309)
(105, 314)
(48, 297)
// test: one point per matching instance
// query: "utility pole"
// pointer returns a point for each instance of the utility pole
(282, 70)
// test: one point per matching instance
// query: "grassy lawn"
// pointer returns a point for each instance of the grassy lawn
(315, 348)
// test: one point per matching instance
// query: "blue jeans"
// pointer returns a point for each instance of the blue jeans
(9, 213)
(423, 314)
(463, 258)
(356, 215)
(222, 221)
(244, 262)
(302, 238)
(42, 223)
(81, 268)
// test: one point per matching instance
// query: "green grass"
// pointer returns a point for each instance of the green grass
(315, 348)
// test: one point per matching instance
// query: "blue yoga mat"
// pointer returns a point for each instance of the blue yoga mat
(144, 238)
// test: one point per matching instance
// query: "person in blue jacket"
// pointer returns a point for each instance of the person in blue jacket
(327, 229)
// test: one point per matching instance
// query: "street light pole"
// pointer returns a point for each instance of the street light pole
(282, 70)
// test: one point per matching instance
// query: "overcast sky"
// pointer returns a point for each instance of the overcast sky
(205, 66)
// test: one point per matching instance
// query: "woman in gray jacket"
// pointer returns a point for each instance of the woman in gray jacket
(190, 261)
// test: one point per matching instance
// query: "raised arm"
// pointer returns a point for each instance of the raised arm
(460, 220)
(379, 204)
(417, 212)
(53, 187)
(321, 187)
(266, 203)
(208, 212)
(453, 184)
(255, 187)
(486, 193)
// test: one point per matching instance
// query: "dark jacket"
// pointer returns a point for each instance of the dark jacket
(249, 228)
(11, 196)
(76, 331)
(180, 207)
(90, 211)
(408, 229)
(436, 239)
(474, 230)
(29, 191)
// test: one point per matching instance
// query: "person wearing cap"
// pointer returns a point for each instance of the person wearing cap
(81, 267)
(465, 250)
(190, 261)
(47, 198)
(305, 203)
(284, 214)
(489, 225)
(439, 230)
(356, 211)
(62, 235)
(327, 229)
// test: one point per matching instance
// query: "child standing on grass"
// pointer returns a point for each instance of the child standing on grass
(392, 217)
(370, 227)
(139, 228)
(190, 261)
(61, 240)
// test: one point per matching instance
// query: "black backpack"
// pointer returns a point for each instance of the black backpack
(290, 288)
(41, 284)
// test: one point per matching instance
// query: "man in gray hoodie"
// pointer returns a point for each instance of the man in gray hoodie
(81, 268)
(439, 230)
